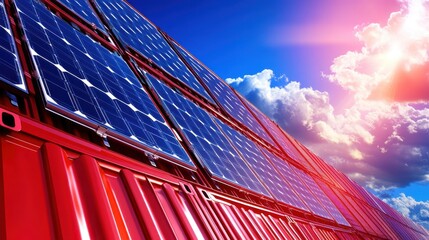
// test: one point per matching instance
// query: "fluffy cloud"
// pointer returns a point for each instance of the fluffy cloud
(417, 211)
(378, 143)
(393, 62)
(381, 138)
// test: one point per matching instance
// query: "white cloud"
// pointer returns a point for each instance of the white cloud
(418, 211)
(381, 136)
(382, 141)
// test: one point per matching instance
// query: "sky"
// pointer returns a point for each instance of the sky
(349, 79)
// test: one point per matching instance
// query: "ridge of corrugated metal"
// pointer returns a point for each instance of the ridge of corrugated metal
(56, 186)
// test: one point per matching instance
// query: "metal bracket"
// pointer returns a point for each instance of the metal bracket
(152, 158)
(102, 132)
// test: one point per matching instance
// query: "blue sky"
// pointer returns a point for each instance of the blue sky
(345, 77)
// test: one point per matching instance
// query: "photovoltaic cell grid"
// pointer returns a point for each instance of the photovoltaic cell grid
(324, 200)
(82, 77)
(210, 145)
(251, 153)
(225, 96)
(293, 176)
(315, 206)
(138, 33)
(287, 173)
(10, 70)
(84, 10)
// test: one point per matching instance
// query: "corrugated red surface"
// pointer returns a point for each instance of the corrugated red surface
(55, 186)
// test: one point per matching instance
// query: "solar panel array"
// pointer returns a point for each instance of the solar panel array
(138, 33)
(225, 96)
(266, 172)
(83, 9)
(296, 187)
(208, 142)
(85, 79)
(274, 130)
(323, 199)
(307, 192)
(9, 63)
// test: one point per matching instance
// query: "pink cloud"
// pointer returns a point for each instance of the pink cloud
(323, 25)
(380, 138)
(393, 63)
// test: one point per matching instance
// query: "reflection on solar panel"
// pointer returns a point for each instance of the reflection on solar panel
(84, 10)
(251, 153)
(225, 96)
(85, 79)
(350, 220)
(324, 200)
(312, 188)
(274, 130)
(287, 172)
(210, 145)
(141, 35)
(289, 144)
(10, 70)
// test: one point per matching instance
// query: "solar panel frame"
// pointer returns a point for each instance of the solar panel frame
(136, 32)
(99, 89)
(10, 65)
(209, 144)
(225, 96)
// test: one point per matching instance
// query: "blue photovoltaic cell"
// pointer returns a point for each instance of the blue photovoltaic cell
(287, 172)
(225, 96)
(10, 69)
(82, 77)
(209, 144)
(269, 176)
(137, 32)
(84, 10)
(310, 192)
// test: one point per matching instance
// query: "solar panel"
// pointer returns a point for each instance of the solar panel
(324, 200)
(286, 172)
(225, 96)
(274, 130)
(345, 212)
(292, 145)
(9, 64)
(138, 33)
(81, 77)
(84, 10)
(308, 191)
(210, 145)
(269, 176)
